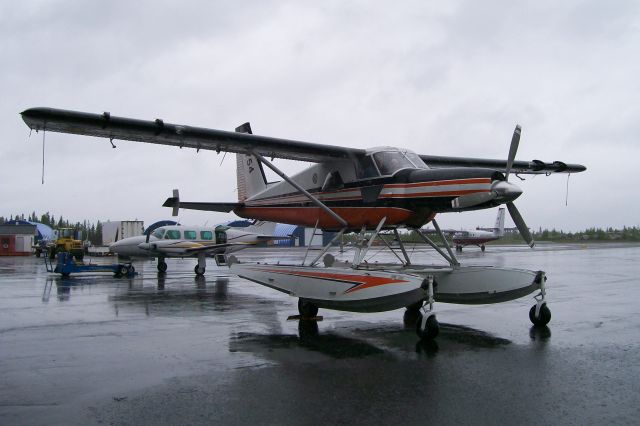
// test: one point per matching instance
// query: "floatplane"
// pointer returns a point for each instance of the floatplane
(367, 191)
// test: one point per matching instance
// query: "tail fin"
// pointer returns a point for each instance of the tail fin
(250, 175)
(499, 226)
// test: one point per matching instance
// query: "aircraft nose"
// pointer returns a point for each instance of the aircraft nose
(506, 191)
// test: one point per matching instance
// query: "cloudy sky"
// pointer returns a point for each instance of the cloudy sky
(442, 78)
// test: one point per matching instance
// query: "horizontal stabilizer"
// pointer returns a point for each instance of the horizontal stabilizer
(212, 207)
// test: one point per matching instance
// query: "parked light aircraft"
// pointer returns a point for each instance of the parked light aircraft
(193, 241)
(350, 189)
(480, 237)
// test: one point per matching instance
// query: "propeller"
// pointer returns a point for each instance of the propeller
(513, 211)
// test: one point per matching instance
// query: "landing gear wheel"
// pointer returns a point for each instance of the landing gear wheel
(482, 247)
(307, 309)
(122, 270)
(198, 270)
(458, 248)
(131, 270)
(162, 267)
(543, 317)
(431, 328)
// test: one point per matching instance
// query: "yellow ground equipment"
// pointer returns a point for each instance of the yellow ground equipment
(67, 240)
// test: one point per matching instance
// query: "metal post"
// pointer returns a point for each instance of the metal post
(404, 252)
(310, 241)
(446, 243)
(452, 262)
(327, 247)
(373, 237)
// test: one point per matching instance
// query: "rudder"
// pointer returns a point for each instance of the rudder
(249, 172)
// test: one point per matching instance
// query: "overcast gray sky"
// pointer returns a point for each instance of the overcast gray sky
(442, 78)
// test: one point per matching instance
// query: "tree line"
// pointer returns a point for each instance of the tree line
(90, 231)
(93, 231)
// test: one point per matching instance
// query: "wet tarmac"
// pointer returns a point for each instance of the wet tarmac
(93, 349)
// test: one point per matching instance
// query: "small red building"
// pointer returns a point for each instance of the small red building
(16, 240)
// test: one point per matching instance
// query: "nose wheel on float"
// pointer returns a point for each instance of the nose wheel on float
(540, 314)
(427, 326)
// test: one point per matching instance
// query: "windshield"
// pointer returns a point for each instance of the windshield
(158, 233)
(389, 162)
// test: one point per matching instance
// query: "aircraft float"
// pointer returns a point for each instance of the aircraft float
(351, 190)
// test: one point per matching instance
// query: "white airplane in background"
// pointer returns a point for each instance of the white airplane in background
(480, 237)
(193, 241)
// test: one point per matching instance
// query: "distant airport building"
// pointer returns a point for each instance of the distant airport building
(16, 239)
(44, 232)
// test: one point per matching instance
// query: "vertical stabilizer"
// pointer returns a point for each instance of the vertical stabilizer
(250, 175)
(498, 229)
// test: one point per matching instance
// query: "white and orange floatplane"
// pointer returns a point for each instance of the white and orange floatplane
(351, 190)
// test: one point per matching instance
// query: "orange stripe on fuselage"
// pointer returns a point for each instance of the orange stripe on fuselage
(356, 217)
(361, 281)
(439, 183)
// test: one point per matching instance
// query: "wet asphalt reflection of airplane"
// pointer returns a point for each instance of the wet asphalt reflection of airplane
(193, 241)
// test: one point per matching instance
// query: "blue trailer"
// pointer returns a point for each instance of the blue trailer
(66, 266)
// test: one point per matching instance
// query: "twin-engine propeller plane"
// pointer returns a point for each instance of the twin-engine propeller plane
(182, 241)
(480, 237)
(351, 189)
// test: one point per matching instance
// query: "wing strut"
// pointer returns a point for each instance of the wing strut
(313, 199)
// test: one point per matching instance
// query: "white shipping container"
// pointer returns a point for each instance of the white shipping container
(115, 231)
(24, 243)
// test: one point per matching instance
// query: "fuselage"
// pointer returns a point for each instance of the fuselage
(180, 241)
(387, 183)
(474, 237)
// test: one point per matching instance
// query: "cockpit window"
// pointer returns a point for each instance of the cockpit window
(172, 234)
(390, 162)
(158, 233)
(416, 160)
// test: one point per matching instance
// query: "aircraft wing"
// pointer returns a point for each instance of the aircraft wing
(214, 247)
(524, 167)
(158, 132)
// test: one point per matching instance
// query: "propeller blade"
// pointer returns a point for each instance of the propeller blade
(522, 227)
(513, 149)
(470, 200)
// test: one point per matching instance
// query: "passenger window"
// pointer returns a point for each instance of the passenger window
(189, 235)
(172, 234)
(206, 235)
